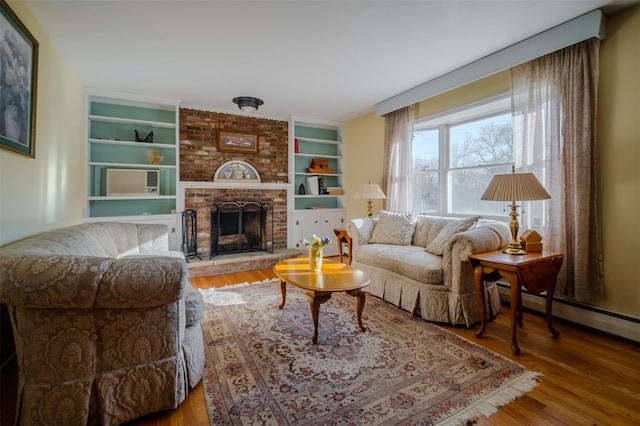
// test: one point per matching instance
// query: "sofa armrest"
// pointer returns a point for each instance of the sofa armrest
(487, 236)
(360, 230)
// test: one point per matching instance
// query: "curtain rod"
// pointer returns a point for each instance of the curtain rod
(582, 28)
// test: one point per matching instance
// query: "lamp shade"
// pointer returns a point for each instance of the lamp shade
(370, 191)
(515, 187)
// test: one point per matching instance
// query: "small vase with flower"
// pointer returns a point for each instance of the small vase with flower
(315, 246)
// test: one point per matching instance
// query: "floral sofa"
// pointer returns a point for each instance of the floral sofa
(420, 263)
(106, 325)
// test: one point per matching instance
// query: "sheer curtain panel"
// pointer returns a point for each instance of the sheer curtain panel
(554, 123)
(397, 170)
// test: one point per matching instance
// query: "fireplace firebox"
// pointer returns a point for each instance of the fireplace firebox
(241, 227)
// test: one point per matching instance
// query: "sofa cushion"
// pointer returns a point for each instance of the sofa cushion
(394, 228)
(411, 261)
(448, 227)
(194, 305)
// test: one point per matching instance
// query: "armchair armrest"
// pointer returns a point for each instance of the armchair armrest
(360, 230)
(68, 282)
(51, 281)
(142, 282)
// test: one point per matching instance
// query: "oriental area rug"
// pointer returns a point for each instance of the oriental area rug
(262, 368)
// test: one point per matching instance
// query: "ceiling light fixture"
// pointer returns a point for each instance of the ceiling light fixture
(248, 103)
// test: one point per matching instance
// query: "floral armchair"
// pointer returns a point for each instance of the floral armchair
(106, 325)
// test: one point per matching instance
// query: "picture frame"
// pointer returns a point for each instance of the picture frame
(19, 84)
(237, 142)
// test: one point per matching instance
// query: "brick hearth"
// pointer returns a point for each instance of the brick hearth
(238, 262)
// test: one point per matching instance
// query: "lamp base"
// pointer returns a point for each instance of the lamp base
(514, 251)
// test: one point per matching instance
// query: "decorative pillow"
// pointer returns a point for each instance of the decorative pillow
(452, 227)
(394, 228)
(423, 226)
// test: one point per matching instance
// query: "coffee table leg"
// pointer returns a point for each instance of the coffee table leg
(316, 298)
(361, 297)
(283, 292)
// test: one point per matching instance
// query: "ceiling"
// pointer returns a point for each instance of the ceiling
(329, 60)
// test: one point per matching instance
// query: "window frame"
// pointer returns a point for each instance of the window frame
(442, 122)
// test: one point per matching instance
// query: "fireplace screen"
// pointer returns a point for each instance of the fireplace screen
(241, 227)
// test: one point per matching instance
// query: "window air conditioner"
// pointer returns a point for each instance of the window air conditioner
(133, 182)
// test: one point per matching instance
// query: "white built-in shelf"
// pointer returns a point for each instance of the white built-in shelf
(133, 166)
(318, 140)
(131, 197)
(108, 119)
(132, 143)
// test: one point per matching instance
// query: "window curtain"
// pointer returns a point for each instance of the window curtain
(397, 151)
(554, 123)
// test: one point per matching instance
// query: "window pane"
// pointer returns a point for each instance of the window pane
(481, 142)
(425, 150)
(424, 180)
(425, 192)
(467, 186)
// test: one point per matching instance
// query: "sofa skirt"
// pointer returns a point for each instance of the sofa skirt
(432, 302)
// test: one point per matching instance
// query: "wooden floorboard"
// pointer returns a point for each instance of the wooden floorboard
(588, 378)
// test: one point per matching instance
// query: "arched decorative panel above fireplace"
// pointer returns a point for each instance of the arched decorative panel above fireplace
(236, 171)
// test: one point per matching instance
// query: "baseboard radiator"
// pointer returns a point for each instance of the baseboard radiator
(611, 323)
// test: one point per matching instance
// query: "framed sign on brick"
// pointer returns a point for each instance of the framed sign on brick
(237, 142)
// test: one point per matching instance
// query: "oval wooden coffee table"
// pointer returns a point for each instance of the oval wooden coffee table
(320, 285)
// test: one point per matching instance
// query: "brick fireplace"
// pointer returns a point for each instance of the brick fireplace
(201, 197)
(201, 156)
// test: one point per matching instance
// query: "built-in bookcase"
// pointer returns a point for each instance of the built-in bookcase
(112, 122)
(317, 142)
(316, 214)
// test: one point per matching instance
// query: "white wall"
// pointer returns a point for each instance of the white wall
(46, 192)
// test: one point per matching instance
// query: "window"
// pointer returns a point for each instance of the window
(455, 155)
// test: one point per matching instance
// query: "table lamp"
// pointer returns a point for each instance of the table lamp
(512, 187)
(370, 191)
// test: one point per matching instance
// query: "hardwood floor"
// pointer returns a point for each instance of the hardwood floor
(588, 378)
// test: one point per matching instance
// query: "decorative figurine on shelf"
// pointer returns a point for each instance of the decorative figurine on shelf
(148, 138)
(154, 157)
(301, 190)
(319, 166)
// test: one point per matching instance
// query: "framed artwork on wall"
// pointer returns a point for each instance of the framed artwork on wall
(19, 77)
(237, 142)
